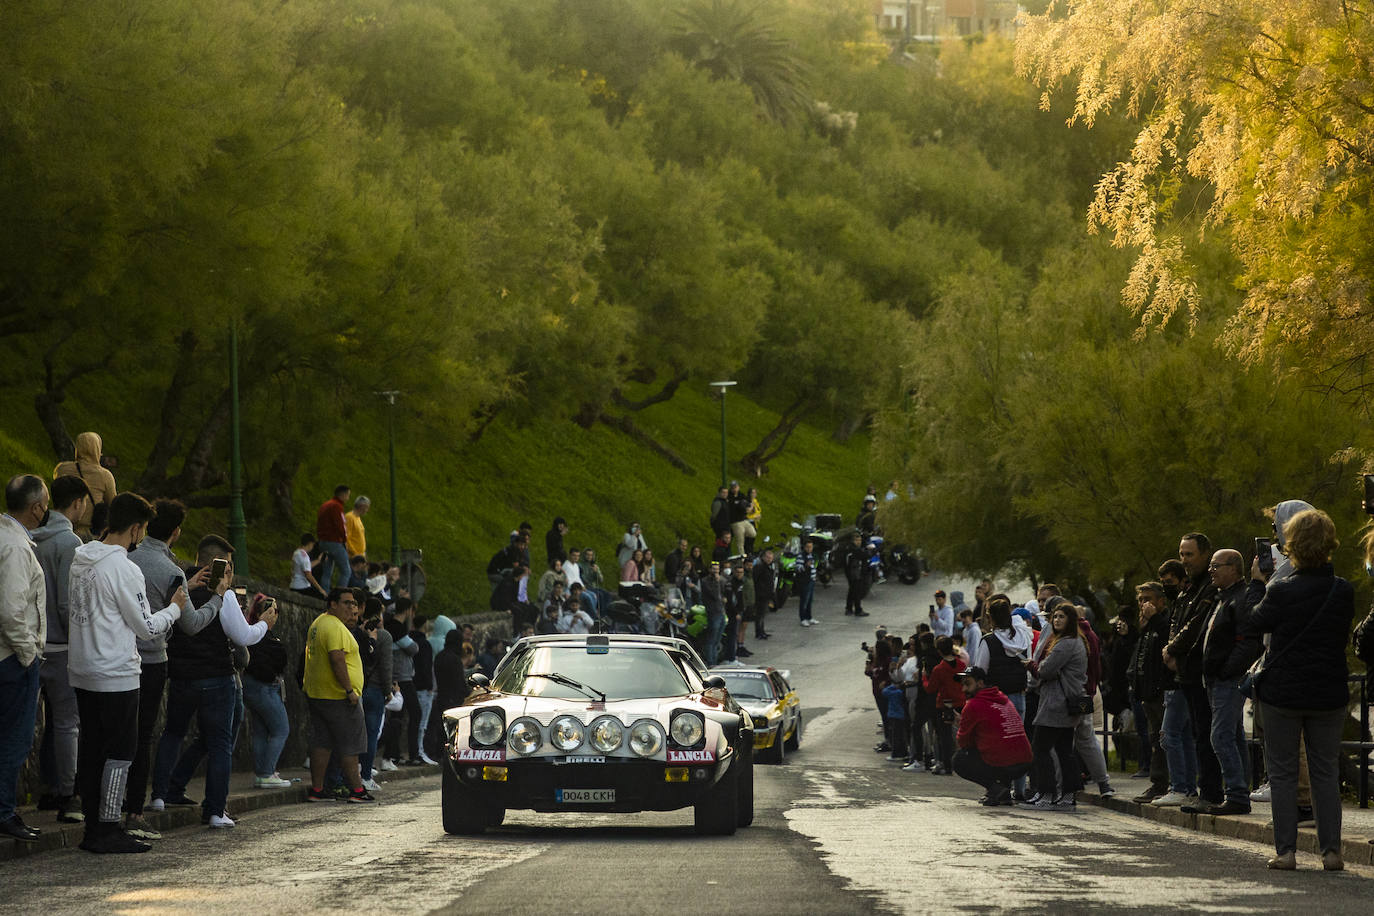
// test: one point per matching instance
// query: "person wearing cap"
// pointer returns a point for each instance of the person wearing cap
(941, 616)
(993, 748)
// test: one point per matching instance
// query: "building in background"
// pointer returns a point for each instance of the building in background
(932, 19)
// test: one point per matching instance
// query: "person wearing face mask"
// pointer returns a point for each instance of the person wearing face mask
(109, 613)
(23, 630)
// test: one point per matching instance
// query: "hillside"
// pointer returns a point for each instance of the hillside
(459, 506)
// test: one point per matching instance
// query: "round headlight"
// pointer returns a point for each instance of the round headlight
(524, 737)
(688, 729)
(607, 734)
(487, 727)
(646, 738)
(567, 733)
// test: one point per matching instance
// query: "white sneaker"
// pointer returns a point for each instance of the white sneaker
(914, 767)
(220, 821)
(815, 620)
(1173, 800)
(1261, 794)
(270, 782)
(387, 765)
(806, 623)
(157, 804)
(371, 785)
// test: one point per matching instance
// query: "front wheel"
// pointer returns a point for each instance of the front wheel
(745, 815)
(777, 752)
(910, 571)
(718, 813)
(794, 742)
(464, 813)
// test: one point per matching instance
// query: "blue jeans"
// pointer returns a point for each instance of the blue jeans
(374, 706)
(335, 559)
(1176, 737)
(18, 711)
(806, 592)
(715, 625)
(1228, 739)
(213, 701)
(268, 723)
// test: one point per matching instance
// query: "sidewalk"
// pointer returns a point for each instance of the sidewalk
(1357, 824)
(242, 798)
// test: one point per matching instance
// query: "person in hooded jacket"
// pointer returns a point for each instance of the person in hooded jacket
(98, 479)
(109, 613)
(1303, 689)
(54, 544)
(451, 689)
(941, 680)
(1003, 652)
(1060, 669)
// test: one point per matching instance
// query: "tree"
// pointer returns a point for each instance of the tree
(730, 40)
(1256, 116)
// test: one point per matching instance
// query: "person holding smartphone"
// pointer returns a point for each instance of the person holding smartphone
(262, 695)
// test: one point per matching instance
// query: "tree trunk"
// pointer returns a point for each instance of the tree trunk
(628, 427)
(848, 427)
(663, 394)
(199, 471)
(48, 402)
(166, 444)
(281, 480)
(772, 444)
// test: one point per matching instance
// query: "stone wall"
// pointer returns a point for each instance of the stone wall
(296, 613)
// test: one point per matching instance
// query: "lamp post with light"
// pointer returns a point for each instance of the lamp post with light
(723, 387)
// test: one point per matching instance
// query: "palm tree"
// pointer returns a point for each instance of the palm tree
(729, 39)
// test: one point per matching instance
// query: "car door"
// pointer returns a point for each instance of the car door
(787, 701)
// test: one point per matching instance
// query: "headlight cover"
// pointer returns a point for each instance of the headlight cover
(687, 728)
(524, 736)
(566, 733)
(487, 727)
(646, 738)
(607, 733)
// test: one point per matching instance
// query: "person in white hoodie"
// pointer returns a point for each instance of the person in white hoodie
(23, 629)
(109, 614)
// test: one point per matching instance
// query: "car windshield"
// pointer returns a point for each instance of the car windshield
(747, 685)
(623, 673)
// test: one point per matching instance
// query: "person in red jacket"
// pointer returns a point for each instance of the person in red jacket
(332, 531)
(993, 750)
(941, 680)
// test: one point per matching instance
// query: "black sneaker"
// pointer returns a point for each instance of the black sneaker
(1305, 815)
(180, 801)
(319, 795)
(69, 810)
(743, 652)
(360, 795)
(861, 613)
(113, 841)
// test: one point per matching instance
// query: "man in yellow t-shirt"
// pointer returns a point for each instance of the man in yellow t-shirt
(333, 685)
(355, 535)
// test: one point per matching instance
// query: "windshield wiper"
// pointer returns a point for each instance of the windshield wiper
(575, 685)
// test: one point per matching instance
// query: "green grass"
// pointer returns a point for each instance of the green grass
(459, 506)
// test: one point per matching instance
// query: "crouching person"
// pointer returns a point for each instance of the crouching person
(993, 749)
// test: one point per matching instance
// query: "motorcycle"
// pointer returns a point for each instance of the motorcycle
(674, 617)
(904, 562)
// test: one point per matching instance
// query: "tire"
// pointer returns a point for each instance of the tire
(464, 813)
(777, 753)
(824, 577)
(910, 571)
(745, 815)
(718, 813)
(794, 742)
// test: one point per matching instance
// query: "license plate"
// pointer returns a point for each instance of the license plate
(584, 796)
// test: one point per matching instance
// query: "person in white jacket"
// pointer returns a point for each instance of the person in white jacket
(109, 614)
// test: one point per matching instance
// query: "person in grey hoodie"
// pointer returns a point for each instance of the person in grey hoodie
(162, 575)
(55, 545)
(109, 612)
(1060, 668)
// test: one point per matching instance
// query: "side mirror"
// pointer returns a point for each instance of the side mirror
(480, 680)
(714, 682)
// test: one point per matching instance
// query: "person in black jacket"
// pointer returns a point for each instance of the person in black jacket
(424, 681)
(856, 575)
(765, 588)
(268, 725)
(1302, 690)
(451, 689)
(1149, 679)
(1184, 656)
(553, 541)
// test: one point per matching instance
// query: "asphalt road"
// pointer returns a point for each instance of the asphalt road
(837, 830)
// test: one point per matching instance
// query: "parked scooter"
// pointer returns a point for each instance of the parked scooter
(905, 564)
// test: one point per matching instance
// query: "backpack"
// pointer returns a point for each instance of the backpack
(1005, 672)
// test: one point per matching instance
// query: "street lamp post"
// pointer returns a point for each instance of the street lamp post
(238, 526)
(390, 397)
(723, 386)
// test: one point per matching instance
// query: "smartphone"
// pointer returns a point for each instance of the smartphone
(218, 568)
(1265, 555)
(1369, 493)
(932, 609)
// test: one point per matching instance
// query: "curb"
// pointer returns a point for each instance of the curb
(1356, 850)
(68, 836)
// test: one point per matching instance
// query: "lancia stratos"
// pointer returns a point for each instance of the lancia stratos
(598, 723)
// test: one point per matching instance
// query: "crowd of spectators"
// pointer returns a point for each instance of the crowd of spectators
(1005, 695)
(99, 615)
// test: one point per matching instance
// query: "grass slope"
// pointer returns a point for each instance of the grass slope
(459, 506)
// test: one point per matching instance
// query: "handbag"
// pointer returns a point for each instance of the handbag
(1249, 683)
(1079, 706)
(395, 703)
